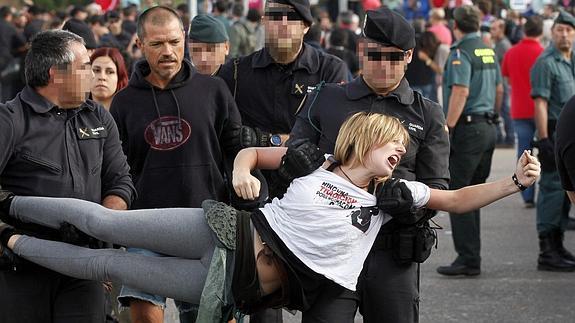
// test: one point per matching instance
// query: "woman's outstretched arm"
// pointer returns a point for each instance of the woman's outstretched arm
(474, 197)
(245, 185)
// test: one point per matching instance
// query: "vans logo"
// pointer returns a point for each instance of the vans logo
(167, 133)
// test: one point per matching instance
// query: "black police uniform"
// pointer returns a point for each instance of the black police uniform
(46, 151)
(388, 290)
(269, 94)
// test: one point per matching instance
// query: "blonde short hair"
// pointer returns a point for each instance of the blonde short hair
(363, 131)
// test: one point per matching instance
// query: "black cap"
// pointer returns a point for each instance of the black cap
(300, 6)
(207, 29)
(565, 18)
(81, 29)
(388, 28)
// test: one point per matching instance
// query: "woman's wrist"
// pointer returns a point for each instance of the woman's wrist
(520, 186)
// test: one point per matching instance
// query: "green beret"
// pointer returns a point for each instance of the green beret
(388, 28)
(207, 29)
(565, 18)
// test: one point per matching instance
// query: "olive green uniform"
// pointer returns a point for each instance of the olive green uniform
(552, 79)
(473, 65)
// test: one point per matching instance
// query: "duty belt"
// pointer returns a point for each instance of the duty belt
(488, 117)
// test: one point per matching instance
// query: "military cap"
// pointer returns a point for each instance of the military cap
(301, 6)
(467, 18)
(207, 29)
(565, 18)
(388, 28)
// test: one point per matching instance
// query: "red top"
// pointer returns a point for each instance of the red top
(516, 65)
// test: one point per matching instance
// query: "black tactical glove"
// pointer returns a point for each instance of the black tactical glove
(5, 201)
(254, 137)
(301, 159)
(395, 199)
(546, 154)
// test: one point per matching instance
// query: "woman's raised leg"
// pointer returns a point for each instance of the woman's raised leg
(181, 232)
(174, 277)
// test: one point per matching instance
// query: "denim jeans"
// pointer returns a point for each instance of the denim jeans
(508, 125)
(525, 130)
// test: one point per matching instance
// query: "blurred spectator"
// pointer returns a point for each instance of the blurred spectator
(416, 9)
(129, 17)
(338, 47)
(93, 9)
(513, 30)
(79, 13)
(36, 20)
(220, 11)
(516, 65)
(420, 76)
(82, 29)
(244, 32)
(98, 26)
(184, 12)
(434, 54)
(549, 14)
(505, 136)
(313, 37)
(12, 46)
(349, 24)
(110, 75)
(439, 27)
(117, 37)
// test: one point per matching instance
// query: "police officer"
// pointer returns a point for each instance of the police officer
(270, 85)
(388, 288)
(471, 89)
(208, 44)
(552, 84)
(54, 142)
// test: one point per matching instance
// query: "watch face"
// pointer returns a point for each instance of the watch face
(276, 140)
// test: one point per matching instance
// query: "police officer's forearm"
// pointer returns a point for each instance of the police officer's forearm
(498, 98)
(115, 203)
(541, 107)
(456, 104)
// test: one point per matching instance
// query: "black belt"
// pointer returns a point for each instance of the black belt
(488, 117)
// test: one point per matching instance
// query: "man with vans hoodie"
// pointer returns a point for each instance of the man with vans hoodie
(177, 128)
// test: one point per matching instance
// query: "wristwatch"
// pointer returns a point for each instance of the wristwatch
(276, 140)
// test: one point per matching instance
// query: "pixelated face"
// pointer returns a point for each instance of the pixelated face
(284, 28)
(382, 160)
(382, 67)
(105, 81)
(208, 57)
(563, 36)
(74, 79)
(163, 49)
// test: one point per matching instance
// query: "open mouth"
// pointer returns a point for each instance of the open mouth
(393, 160)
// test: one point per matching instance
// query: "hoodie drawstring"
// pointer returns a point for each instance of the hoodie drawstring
(158, 107)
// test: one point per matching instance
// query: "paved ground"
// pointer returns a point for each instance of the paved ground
(509, 289)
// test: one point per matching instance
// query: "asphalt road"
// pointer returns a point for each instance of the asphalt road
(509, 289)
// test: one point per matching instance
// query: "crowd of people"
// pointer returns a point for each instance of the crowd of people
(151, 110)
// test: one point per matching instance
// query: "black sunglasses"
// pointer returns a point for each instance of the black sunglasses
(377, 56)
(277, 15)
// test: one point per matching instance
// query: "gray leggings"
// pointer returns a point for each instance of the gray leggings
(179, 232)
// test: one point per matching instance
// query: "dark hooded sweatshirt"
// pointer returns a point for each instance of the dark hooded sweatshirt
(174, 138)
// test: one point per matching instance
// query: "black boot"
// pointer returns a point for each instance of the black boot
(564, 253)
(549, 257)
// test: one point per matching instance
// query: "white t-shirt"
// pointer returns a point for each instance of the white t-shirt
(330, 224)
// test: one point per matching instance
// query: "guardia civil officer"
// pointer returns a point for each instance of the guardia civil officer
(471, 89)
(270, 85)
(552, 84)
(388, 287)
(208, 44)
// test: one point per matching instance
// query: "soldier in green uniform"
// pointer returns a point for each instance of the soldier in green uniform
(552, 85)
(471, 89)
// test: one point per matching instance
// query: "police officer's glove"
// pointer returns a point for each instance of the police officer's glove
(546, 154)
(301, 159)
(254, 137)
(395, 199)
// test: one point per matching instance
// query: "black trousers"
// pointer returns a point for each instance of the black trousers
(39, 295)
(386, 293)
